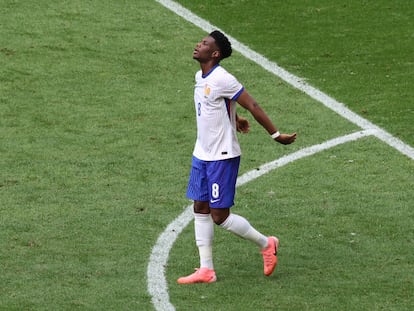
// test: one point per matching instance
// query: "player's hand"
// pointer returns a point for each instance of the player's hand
(242, 125)
(286, 139)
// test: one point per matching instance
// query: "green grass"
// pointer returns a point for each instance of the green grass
(345, 237)
(359, 52)
(96, 133)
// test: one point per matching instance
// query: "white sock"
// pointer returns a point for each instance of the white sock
(241, 227)
(204, 234)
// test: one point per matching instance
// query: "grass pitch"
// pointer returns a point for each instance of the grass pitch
(96, 133)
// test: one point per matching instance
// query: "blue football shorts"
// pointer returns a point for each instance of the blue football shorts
(213, 181)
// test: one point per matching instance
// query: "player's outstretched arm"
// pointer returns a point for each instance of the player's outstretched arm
(249, 103)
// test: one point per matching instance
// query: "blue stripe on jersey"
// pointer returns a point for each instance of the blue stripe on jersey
(235, 97)
(228, 103)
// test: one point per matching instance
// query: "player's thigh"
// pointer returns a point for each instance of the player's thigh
(197, 188)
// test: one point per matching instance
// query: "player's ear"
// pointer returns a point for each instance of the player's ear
(216, 54)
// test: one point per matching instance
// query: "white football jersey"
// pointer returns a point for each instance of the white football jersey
(215, 98)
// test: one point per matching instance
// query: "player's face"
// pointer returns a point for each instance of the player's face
(205, 50)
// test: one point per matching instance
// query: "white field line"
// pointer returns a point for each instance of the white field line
(157, 284)
(305, 152)
(293, 80)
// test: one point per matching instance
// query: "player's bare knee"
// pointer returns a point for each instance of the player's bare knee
(219, 215)
(201, 207)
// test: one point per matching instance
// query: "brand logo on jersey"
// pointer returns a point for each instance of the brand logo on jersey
(207, 90)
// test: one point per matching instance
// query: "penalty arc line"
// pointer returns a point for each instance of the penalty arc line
(157, 284)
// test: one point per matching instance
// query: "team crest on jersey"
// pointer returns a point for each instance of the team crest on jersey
(207, 90)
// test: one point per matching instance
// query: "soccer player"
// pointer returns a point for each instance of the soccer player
(216, 156)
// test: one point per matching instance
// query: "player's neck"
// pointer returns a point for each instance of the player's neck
(207, 67)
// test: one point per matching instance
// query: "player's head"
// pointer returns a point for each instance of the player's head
(214, 47)
(222, 43)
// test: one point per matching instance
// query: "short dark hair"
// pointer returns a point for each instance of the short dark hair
(223, 43)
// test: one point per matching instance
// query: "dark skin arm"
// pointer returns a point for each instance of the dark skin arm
(249, 103)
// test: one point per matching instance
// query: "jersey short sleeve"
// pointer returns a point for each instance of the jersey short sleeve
(229, 87)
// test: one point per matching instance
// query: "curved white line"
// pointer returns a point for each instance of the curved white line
(293, 80)
(157, 284)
